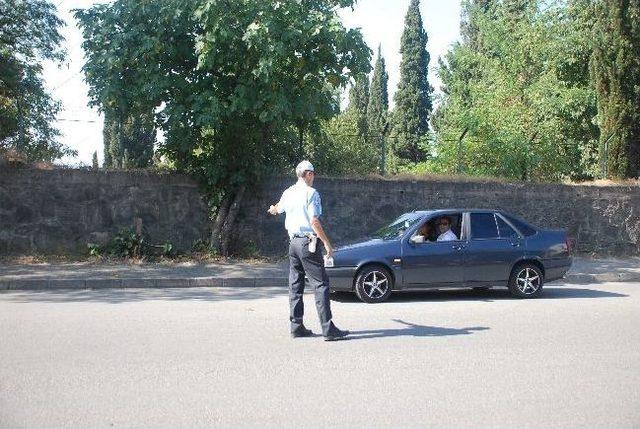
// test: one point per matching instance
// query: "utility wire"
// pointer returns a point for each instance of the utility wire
(76, 120)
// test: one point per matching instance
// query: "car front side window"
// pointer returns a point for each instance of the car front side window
(504, 229)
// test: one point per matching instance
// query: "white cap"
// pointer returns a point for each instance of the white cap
(304, 166)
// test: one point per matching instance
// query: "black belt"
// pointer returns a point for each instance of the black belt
(300, 236)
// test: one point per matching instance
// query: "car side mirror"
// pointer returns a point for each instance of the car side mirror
(416, 239)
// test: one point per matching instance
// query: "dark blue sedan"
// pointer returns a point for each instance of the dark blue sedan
(452, 249)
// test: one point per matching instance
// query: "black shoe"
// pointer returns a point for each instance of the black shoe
(301, 332)
(336, 335)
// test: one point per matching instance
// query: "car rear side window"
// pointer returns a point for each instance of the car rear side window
(504, 229)
(483, 226)
(523, 227)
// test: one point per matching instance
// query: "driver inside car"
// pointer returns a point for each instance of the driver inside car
(425, 231)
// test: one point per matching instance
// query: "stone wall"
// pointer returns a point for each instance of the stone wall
(63, 210)
(60, 211)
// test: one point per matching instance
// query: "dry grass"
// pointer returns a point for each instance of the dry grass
(606, 182)
(185, 259)
(40, 259)
(432, 177)
(426, 177)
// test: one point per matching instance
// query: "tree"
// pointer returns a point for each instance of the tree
(413, 97)
(519, 93)
(94, 160)
(120, 39)
(28, 35)
(377, 110)
(358, 102)
(616, 71)
(472, 10)
(224, 78)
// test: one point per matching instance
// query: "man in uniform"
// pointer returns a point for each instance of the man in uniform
(302, 206)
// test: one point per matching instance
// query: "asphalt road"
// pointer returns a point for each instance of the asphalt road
(205, 357)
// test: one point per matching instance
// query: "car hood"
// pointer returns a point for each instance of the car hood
(360, 244)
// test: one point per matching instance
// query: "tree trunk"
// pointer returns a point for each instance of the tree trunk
(221, 216)
(229, 223)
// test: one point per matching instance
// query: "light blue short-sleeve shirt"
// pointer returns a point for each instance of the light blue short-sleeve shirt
(300, 203)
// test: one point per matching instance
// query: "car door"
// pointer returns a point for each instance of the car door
(493, 247)
(432, 264)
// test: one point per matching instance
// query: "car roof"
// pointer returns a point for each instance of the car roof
(428, 212)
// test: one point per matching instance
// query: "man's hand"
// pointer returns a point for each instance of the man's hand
(273, 210)
(329, 251)
(317, 228)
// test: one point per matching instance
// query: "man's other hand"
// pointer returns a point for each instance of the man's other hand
(329, 252)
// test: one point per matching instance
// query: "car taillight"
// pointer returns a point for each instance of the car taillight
(569, 242)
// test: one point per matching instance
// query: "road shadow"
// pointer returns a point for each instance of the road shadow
(483, 295)
(214, 294)
(413, 330)
(117, 296)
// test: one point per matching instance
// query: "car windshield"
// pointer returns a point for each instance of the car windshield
(396, 228)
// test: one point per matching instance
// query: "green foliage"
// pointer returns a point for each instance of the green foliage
(227, 79)
(336, 147)
(128, 244)
(358, 102)
(135, 55)
(167, 249)
(28, 35)
(616, 71)
(517, 88)
(377, 110)
(94, 160)
(125, 244)
(410, 123)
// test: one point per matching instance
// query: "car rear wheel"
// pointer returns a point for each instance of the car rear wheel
(374, 284)
(526, 281)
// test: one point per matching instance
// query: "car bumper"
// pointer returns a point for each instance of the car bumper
(556, 269)
(341, 278)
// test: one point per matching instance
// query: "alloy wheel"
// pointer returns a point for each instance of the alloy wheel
(375, 284)
(528, 281)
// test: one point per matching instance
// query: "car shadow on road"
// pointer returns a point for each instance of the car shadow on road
(414, 330)
(562, 292)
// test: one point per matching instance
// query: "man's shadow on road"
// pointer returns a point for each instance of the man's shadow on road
(413, 330)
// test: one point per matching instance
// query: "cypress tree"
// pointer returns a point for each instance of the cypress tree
(616, 70)
(107, 135)
(359, 94)
(413, 97)
(94, 161)
(378, 106)
(135, 136)
(138, 137)
(358, 101)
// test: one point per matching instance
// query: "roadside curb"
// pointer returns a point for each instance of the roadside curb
(603, 278)
(220, 282)
(142, 283)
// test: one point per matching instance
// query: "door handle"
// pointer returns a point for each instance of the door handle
(458, 246)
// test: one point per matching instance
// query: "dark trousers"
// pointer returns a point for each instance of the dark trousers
(302, 262)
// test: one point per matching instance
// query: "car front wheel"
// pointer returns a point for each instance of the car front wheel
(373, 284)
(526, 281)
